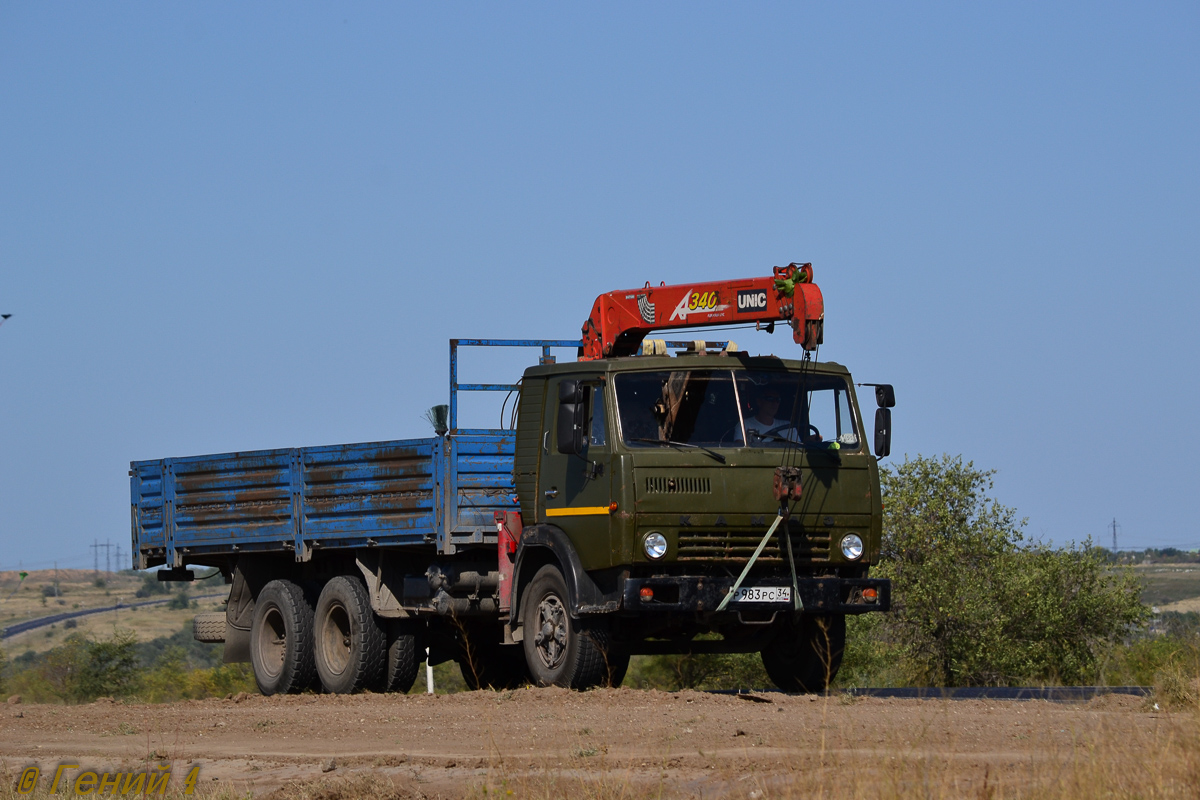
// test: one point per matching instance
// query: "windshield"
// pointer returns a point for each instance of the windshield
(786, 407)
(726, 408)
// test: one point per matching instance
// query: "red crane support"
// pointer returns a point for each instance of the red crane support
(621, 319)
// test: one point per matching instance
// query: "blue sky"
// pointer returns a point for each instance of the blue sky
(237, 226)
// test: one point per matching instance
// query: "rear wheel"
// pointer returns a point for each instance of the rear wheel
(805, 657)
(281, 639)
(404, 655)
(348, 640)
(561, 650)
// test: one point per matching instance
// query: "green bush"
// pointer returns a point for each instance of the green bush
(870, 658)
(108, 667)
(151, 585)
(80, 670)
(164, 669)
(707, 671)
(972, 603)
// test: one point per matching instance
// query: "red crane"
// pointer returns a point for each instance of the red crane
(620, 320)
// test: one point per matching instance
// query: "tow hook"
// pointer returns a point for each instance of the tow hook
(787, 484)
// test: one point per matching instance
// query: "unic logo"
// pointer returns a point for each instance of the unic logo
(752, 300)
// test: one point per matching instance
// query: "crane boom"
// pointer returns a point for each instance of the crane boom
(621, 319)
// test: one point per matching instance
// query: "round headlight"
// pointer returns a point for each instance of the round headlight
(852, 546)
(655, 545)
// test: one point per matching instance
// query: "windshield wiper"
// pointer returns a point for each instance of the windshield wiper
(674, 443)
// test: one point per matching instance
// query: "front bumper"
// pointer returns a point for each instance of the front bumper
(830, 595)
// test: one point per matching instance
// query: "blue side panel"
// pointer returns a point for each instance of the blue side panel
(385, 492)
(146, 510)
(235, 501)
(416, 491)
(479, 482)
(484, 479)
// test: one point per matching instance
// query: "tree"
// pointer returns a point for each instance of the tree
(151, 585)
(972, 603)
(109, 667)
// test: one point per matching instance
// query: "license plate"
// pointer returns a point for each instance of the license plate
(763, 594)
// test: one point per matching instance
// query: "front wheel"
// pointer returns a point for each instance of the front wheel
(559, 649)
(805, 657)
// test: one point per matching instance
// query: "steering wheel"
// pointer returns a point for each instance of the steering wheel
(777, 430)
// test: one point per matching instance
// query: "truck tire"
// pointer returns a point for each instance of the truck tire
(560, 650)
(492, 665)
(348, 641)
(209, 627)
(618, 665)
(806, 657)
(281, 639)
(404, 655)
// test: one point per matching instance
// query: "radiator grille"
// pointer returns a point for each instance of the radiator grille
(727, 545)
(678, 486)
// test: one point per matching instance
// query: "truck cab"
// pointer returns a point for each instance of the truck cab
(655, 476)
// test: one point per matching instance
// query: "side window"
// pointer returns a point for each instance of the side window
(597, 437)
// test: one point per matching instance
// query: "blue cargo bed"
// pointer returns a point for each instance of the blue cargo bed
(441, 491)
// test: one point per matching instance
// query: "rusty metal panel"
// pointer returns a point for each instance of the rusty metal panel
(146, 510)
(383, 492)
(342, 496)
(234, 501)
(484, 480)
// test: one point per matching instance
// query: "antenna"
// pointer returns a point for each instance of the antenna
(1114, 527)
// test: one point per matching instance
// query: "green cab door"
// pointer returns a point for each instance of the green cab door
(575, 490)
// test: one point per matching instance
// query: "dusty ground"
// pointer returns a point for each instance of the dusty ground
(624, 743)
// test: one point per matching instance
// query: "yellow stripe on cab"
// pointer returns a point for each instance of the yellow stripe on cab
(582, 511)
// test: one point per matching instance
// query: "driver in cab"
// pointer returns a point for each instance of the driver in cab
(763, 425)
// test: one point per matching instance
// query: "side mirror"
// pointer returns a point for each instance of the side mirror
(885, 396)
(883, 432)
(571, 417)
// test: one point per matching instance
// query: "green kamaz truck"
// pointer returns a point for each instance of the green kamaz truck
(650, 497)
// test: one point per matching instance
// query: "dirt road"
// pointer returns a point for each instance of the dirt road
(624, 743)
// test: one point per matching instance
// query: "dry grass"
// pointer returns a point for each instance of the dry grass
(80, 592)
(926, 765)
(1109, 761)
(1099, 764)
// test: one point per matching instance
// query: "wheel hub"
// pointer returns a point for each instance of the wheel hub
(551, 638)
